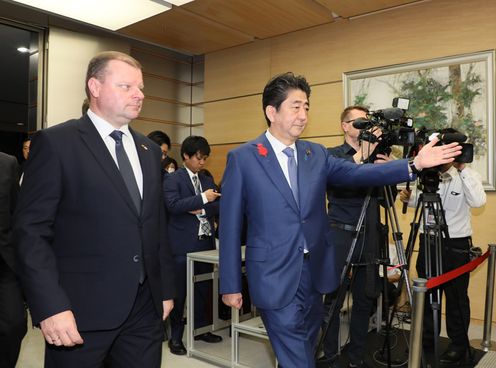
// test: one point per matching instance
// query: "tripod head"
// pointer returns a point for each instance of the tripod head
(429, 180)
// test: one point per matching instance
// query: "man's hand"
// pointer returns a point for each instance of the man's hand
(366, 147)
(405, 195)
(233, 300)
(382, 158)
(167, 306)
(430, 156)
(61, 330)
(211, 195)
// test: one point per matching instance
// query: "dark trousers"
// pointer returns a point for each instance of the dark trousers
(13, 318)
(137, 343)
(202, 297)
(362, 302)
(455, 253)
(293, 329)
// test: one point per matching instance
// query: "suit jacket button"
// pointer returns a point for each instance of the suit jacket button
(136, 258)
(300, 249)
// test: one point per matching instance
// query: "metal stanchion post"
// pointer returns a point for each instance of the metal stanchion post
(415, 355)
(486, 343)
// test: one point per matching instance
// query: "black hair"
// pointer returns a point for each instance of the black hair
(194, 144)
(160, 138)
(276, 90)
(167, 161)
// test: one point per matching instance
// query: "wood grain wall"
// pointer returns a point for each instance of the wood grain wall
(234, 79)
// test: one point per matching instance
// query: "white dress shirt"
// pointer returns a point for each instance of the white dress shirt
(104, 129)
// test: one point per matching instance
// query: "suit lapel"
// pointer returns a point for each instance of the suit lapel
(273, 169)
(304, 171)
(187, 180)
(98, 149)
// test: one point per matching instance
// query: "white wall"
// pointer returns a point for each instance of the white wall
(68, 57)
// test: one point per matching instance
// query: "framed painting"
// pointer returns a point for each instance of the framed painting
(455, 91)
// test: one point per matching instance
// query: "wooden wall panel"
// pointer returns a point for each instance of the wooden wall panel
(239, 71)
(419, 32)
(216, 162)
(237, 120)
(326, 104)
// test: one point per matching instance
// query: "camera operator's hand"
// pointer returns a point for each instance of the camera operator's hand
(431, 155)
(382, 158)
(366, 147)
(405, 195)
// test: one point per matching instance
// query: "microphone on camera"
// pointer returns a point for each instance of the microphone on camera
(452, 137)
(392, 113)
(362, 123)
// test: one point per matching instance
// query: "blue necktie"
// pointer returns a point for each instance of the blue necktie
(126, 169)
(293, 173)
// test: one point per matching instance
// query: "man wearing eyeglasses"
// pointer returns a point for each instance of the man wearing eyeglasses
(191, 202)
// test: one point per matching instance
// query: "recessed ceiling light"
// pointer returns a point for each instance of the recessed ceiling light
(110, 14)
(23, 49)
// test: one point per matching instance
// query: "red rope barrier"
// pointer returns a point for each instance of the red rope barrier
(445, 277)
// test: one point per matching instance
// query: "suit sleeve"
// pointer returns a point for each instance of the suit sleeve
(34, 228)
(166, 260)
(231, 220)
(174, 202)
(9, 187)
(342, 172)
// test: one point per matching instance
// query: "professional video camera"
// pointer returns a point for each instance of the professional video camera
(429, 178)
(396, 128)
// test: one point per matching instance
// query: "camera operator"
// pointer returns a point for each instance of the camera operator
(345, 205)
(460, 189)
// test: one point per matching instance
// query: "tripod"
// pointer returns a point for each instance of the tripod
(429, 213)
(348, 263)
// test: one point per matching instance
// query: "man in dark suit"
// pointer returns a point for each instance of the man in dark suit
(90, 229)
(13, 319)
(279, 183)
(190, 199)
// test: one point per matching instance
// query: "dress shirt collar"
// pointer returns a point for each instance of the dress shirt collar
(191, 173)
(278, 146)
(104, 127)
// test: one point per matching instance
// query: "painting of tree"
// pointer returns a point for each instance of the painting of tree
(455, 92)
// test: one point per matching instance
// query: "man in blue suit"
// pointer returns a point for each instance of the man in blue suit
(90, 230)
(190, 198)
(279, 183)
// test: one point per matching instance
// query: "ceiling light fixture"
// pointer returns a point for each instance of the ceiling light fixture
(23, 49)
(110, 14)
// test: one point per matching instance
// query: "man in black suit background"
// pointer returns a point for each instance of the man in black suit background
(90, 229)
(190, 199)
(12, 312)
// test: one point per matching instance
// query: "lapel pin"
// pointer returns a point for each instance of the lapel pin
(144, 147)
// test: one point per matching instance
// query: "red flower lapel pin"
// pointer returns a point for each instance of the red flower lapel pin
(262, 151)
